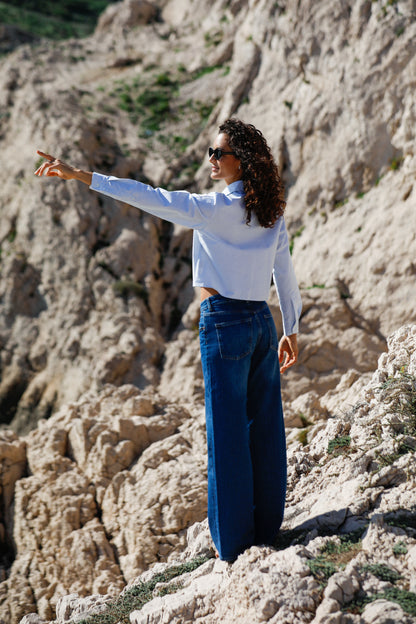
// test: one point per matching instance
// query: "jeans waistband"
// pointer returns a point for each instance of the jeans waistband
(218, 303)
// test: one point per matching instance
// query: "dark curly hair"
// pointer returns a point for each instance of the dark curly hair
(263, 189)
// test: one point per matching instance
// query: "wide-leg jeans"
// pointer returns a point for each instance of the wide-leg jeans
(244, 422)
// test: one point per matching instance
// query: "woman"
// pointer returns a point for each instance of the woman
(240, 241)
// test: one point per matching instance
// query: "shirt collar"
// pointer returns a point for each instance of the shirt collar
(234, 187)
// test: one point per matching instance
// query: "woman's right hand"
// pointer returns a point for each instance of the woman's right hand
(56, 167)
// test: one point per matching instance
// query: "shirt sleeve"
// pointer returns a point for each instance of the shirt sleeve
(286, 284)
(180, 207)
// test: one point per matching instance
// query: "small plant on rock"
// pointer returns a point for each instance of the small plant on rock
(339, 444)
(399, 549)
(382, 572)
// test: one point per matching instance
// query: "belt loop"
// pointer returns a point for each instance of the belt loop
(209, 304)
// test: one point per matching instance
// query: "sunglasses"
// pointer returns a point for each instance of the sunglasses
(218, 152)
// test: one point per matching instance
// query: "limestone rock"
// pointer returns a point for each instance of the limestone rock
(72, 282)
(127, 14)
(348, 532)
(115, 480)
(98, 319)
(12, 468)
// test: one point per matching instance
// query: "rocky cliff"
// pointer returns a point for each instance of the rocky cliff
(98, 316)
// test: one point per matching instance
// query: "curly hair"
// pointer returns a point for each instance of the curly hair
(263, 189)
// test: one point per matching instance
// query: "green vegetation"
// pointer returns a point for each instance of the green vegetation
(152, 101)
(339, 444)
(305, 421)
(53, 20)
(295, 235)
(404, 598)
(11, 235)
(399, 549)
(335, 554)
(302, 437)
(148, 102)
(124, 288)
(382, 572)
(341, 202)
(203, 71)
(321, 569)
(133, 599)
(341, 549)
(395, 163)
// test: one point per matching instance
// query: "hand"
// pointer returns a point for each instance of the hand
(56, 167)
(288, 351)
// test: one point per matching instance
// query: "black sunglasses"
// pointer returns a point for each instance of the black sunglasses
(218, 152)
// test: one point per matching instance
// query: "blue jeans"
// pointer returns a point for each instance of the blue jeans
(244, 421)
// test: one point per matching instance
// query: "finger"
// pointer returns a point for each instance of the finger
(43, 169)
(289, 362)
(281, 352)
(47, 156)
(283, 363)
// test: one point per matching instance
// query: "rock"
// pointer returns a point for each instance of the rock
(384, 612)
(127, 14)
(12, 468)
(115, 481)
(256, 574)
(199, 542)
(73, 607)
(99, 363)
(340, 526)
(32, 618)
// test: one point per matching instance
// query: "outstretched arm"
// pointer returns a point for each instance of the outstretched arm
(56, 167)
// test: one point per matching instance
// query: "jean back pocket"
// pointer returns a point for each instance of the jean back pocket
(235, 338)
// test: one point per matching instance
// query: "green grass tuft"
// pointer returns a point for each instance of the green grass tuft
(321, 569)
(339, 443)
(124, 288)
(399, 549)
(302, 437)
(382, 572)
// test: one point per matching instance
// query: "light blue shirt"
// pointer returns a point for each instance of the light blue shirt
(236, 259)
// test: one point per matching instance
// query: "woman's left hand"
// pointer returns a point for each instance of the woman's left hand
(288, 351)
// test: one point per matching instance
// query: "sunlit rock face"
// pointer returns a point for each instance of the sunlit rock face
(101, 392)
